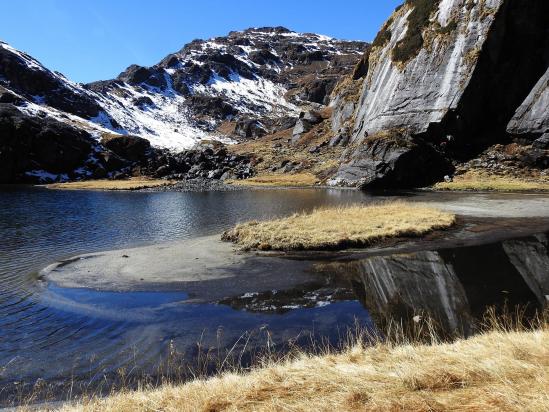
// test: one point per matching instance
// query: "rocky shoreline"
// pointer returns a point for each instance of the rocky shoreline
(196, 185)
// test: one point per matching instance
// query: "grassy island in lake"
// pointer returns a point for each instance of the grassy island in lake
(340, 228)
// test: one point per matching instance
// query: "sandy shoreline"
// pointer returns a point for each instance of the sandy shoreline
(207, 267)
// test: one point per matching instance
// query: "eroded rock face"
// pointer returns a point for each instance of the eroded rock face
(420, 91)
(34, 149)
(450, 73)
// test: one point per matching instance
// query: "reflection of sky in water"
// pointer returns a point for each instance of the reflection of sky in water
(49, 332)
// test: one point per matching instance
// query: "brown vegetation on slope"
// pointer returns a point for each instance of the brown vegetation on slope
(274, 154)
(134, 183)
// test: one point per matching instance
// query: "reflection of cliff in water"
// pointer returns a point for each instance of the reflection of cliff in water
(453, 286)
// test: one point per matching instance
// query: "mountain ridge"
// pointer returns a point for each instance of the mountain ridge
(244, 85)
(202, 72)
(423, 103)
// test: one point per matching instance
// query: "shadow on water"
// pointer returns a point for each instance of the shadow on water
(173, 339)
(82, 340)
(455, 286)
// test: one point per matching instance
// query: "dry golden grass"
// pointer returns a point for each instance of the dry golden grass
(130, 184)
(339, 228)
(497, 371)
(476, 180)
(271, 150)
(278, 180)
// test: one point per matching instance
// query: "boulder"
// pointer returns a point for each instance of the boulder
(542, 143)
(249, 128)
(317, 90)
(387, 162)
(306, 121)
(136, 74)
(532, 116)
(341, 138)
(132, 148)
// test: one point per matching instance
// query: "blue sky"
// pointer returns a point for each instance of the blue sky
(91, 40)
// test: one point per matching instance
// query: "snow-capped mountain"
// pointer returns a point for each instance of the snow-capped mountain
(250, 81)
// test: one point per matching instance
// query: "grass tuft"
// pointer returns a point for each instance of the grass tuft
(278, 180)
(502, 368)
(475, 180)
(340, 228)
(130, 184)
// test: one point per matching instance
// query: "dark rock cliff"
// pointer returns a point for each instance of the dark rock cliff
(34, 148)
(27, 77)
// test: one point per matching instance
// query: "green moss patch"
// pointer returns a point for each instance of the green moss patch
(382, 38)
(409, 47)
(449, 28)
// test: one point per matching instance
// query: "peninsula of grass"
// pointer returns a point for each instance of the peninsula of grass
(340, 228)
(129, 184)
(477, 181)
(499, 370)
(278, 180)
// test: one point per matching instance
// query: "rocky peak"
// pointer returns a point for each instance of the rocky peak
(257, 80)
(259, 75)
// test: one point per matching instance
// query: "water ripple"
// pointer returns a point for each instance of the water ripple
(39, 339)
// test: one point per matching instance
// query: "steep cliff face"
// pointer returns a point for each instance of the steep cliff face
(447, 76)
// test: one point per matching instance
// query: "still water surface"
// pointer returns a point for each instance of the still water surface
(52, 333)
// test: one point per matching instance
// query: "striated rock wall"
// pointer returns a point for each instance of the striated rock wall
(450, 75)
(532, 117)
(418, 92)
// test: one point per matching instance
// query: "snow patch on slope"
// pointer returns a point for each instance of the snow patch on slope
(164, 122)
(249, 96)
